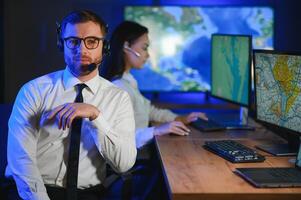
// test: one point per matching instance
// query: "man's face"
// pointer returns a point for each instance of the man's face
(79, 58)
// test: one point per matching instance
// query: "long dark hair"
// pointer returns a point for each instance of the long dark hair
(114, 65)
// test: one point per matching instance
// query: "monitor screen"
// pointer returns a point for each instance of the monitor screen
(231, 67)
(278, 89)
(180, 39)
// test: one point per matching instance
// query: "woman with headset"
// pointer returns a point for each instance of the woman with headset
(129, 49)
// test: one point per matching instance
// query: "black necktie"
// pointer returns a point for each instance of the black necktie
(72, 168)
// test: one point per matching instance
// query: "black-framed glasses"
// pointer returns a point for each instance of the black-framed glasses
(90, 42)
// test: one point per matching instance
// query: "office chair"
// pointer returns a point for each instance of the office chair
(5, 110)
(126, 179)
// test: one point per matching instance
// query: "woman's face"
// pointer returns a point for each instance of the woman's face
(136, 54)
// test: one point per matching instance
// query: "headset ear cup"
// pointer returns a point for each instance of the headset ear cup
(60, 45)
(106, 48)
(59, 41)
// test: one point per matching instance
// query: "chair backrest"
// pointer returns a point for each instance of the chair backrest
(5, 111)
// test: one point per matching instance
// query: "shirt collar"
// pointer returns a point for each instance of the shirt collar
(130, 78)
(69, 81)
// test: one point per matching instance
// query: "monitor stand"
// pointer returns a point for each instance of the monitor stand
(286, 149)
(278, 149)
(243, 121)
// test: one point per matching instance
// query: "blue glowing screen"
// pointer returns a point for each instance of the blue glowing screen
(180, 39)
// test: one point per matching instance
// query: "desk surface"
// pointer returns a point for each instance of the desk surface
(192, 172)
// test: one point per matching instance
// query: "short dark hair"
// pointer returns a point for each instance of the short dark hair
(127, 31)
(80, 17)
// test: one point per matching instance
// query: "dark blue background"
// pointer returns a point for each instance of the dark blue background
(28, 33)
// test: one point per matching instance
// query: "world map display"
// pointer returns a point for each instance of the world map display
(231, 67)
(180, 39)
(278, 88)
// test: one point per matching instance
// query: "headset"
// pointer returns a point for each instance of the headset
(132, 51)
(60, 41)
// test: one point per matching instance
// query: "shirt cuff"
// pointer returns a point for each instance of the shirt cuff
(98, 128)
(101, 124)
(144, 136)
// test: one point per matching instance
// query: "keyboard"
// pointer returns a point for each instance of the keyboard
(211, 125)
(289, 174)
(207, 125)
(233, 151)
(271, 177)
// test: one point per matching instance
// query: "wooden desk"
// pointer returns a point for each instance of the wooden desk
(191, 172)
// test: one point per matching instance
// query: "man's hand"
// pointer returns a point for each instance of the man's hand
(186, 119)
(66, 113)
(174, 127)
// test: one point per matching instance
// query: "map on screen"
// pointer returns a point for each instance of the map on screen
(278, 89)
(180, 38)
(231, 67)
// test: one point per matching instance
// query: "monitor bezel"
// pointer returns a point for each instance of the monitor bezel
(249, 64)
(281, 129)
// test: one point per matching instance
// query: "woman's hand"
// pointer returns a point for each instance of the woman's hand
(186, 119)
(174, 127)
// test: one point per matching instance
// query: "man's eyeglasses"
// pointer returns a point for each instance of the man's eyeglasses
(90, 42)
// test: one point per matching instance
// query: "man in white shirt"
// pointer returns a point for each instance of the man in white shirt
(39, 126)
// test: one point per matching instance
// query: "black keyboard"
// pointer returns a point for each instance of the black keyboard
(207, 125)
(271, 177)
(233, 151)
(289, 174)
(211, 125)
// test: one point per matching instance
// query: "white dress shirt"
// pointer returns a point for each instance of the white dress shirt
(38, 150)
(143, 110)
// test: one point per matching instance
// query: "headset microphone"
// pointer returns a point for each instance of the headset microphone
(133, 51)
(91, 67)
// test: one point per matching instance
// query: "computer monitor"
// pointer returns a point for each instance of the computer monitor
(180, 38)
(277, 96)
(231, 69)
